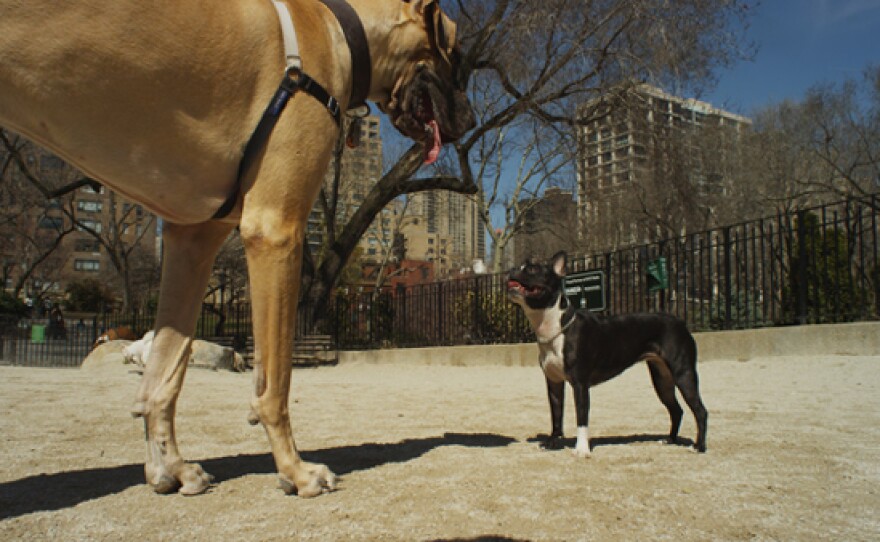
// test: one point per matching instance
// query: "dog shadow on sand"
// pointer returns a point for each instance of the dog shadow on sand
(621, 440)
(56, 491)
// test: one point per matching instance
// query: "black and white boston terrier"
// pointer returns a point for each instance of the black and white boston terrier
(585, 350)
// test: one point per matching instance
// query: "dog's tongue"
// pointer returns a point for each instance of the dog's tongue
(433, 144)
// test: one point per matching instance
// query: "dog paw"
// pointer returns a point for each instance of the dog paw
(193, 479)
(582, 453)
(311, 480)
(185, 478)
(552, 443)
(253, 418)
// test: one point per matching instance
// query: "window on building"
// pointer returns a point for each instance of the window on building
(87, 265)
(92, 224)
(51, 223)
(87, 245)
(89, 206)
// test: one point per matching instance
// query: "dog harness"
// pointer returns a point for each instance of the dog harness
(295, 79)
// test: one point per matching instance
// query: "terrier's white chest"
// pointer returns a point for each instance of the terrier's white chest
(551, 360)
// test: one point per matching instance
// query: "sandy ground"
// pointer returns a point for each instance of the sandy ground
(429, 452)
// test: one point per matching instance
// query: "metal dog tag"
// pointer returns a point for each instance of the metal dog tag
(355, 128)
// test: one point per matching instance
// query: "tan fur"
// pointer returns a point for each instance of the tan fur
(114, 334)
(157, 100)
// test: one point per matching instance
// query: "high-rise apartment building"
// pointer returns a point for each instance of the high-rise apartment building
(549, 225)
(639, 147)
(444, 227)
(361, 168)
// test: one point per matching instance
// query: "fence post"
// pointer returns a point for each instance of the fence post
(802, 290)
(476, 327)
(727, 279)
(608, 285)
(441, 335)
(661, 253)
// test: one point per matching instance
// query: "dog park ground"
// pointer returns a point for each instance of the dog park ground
(439, 452)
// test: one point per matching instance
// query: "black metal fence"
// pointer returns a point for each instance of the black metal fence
(43, 343)
(816, 265)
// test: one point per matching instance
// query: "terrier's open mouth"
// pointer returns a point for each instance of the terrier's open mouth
(516, 287)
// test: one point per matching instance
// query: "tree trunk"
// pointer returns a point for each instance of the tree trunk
(319, 281)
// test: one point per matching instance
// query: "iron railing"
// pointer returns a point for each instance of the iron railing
(815, 265)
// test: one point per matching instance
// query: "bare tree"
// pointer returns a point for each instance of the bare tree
(120, 236)
(778, 164)
(513, 165)
(825, 147)
(32, 227)
(845, 134)
(540, 61)
(388, 255)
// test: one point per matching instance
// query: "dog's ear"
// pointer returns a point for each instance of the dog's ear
(440, 28)
(558, 262)
(416, 9)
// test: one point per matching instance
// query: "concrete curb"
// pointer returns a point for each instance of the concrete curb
(856, 339)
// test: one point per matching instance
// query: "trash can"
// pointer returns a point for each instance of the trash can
(38, 333)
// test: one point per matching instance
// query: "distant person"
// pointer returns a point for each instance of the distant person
(56, 324)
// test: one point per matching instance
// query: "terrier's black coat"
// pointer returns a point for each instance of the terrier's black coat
(585, 350)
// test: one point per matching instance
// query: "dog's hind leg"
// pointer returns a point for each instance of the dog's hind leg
(582, 414)
(688, 385)
(188, 257)
(664, 385)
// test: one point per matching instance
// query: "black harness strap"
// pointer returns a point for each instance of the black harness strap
(296, 80)
(292, 81)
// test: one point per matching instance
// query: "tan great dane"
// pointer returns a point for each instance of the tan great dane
(157, 99)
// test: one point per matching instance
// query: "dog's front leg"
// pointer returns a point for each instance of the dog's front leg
(582, 408)
(188, 257)
(556, 395)
(274, 254)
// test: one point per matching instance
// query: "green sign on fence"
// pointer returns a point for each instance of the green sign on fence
(38, 333)
(657, 275)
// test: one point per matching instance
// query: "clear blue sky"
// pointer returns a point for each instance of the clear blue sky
(800, 43)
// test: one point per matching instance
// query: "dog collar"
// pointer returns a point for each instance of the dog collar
(561, 331)
(356, 38)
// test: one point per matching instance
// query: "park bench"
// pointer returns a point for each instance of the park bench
(314, 350)
(308, 350)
